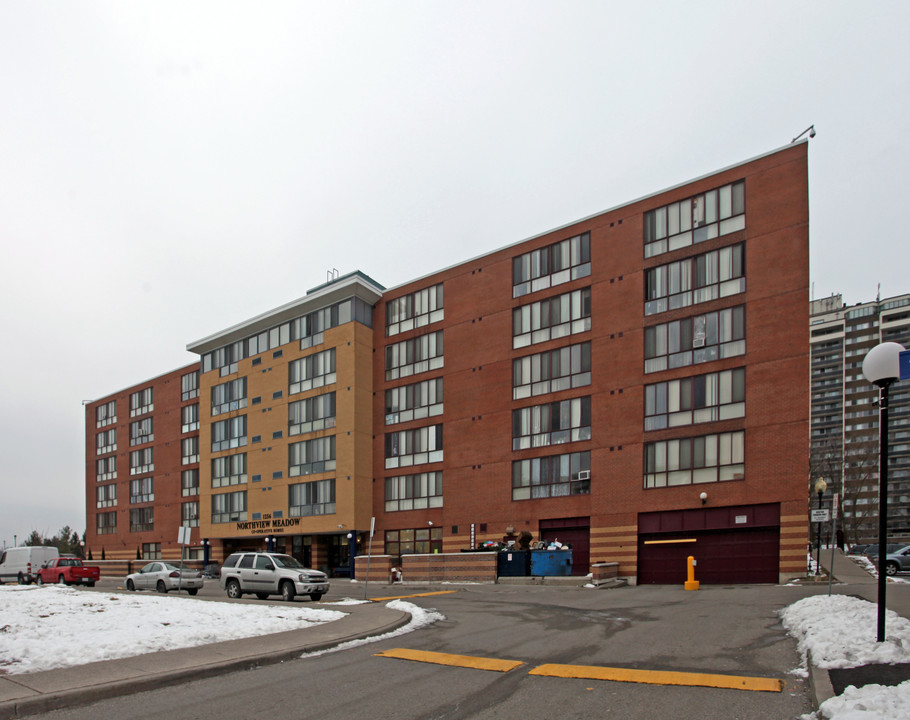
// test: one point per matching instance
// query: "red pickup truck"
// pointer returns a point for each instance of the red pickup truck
(68, 571)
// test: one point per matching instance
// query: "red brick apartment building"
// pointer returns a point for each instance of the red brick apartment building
(635, 384)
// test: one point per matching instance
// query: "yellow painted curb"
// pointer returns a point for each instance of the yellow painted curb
(659, 677)
(405, 597)
(465, 661)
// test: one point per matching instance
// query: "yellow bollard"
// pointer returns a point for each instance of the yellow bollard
(691, 583)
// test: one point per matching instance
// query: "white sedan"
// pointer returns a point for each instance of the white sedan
(164, 576)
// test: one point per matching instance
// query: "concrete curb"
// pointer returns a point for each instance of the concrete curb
(70, 687)
(820, 682)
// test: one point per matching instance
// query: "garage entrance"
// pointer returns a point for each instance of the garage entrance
(731, 545)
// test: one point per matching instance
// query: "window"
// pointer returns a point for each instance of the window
(189, 385)
(312, 414)
(312, 371)
(224, 359)
(189, 514)
(413, 447)
(551, 265)
(142, 490)
(695, 340)
(716, 274)
(229, 507)
(547, 372)
(189, 483)
(417, 355)
(413, 492)
(106, 496)
(141, 461)
(141, 431)
(189, 450)
(311, 498)
(106, 523)
(551, 423)
(106, 468)
(228, 434)
(151, 551)
(141, 402)
(106, 441)
(552, 318)
(142, 519)
(687, 461)
(106, 414)
(230, 470)
(422, 541)
(415, 310)
(308, 329)
(696, 219)
(311, 456)
(413, 402)
(229, 396)
(698, 399)
(552, 476)
(189, 418)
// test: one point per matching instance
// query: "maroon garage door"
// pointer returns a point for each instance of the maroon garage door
(724, 553)
(571, 531)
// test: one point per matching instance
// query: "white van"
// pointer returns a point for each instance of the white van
(21, 564)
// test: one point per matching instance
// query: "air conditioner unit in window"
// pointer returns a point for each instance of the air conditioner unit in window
(584, 474)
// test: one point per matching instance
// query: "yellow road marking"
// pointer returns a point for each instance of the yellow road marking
(659, 677)
(465, 661)
(403, 597)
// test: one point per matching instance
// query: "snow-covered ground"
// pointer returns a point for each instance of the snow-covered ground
(54, 626)
(48, 627)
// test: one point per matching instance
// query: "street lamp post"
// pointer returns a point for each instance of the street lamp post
(820, 487)
(881, 367)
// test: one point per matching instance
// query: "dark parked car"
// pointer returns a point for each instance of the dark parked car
(871, 551)
(858, 549)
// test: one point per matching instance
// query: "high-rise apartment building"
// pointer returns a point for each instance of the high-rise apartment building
(633, 384)
(845, 418)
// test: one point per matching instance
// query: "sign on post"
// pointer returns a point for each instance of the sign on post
(903, 364)
(821, 515)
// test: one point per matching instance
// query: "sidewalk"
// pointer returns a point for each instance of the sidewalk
(33, 693)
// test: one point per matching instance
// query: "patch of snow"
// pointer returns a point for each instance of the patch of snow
(56, 626)
(420, 617)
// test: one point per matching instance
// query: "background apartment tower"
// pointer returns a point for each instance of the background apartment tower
(845, 427)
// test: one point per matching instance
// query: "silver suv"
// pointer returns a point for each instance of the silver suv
(265, 574)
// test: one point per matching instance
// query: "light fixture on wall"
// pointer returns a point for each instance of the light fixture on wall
(703, 497)
(430, 523)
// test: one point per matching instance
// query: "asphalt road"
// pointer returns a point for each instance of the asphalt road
(725, 630)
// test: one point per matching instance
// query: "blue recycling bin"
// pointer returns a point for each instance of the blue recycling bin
(551, 562)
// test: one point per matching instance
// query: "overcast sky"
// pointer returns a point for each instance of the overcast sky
(169, 169)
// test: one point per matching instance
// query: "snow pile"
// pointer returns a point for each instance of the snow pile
(55, 626)
(871, 702)
(840, 631)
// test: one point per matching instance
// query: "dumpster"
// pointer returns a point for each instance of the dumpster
(551, 562)
(513, 563)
